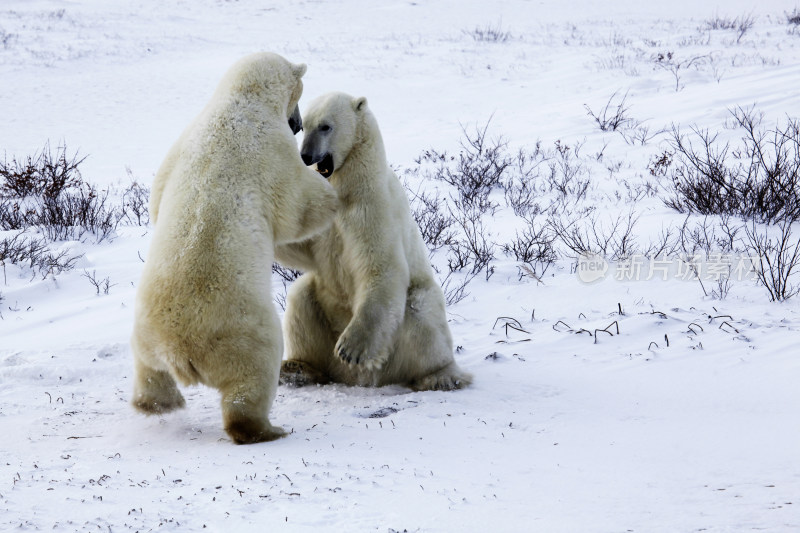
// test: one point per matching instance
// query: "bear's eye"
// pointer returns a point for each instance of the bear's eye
(324, 127)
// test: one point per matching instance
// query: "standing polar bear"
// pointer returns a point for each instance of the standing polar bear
(231, 188)
(369, 310)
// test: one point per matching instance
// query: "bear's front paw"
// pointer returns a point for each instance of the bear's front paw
(354, 348)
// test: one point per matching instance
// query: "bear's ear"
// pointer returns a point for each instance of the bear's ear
(359, 104)
(299, 70)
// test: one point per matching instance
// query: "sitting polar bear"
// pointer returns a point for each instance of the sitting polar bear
(231, 187)
(369, 310)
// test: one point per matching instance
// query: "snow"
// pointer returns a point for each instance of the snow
(684, 421)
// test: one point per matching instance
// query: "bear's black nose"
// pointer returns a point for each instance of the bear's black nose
(306, 158)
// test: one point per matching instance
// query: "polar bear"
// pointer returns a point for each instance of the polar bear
(368, 310)
(231, 188)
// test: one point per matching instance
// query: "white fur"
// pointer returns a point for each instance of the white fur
(369, 310)
(231, 188)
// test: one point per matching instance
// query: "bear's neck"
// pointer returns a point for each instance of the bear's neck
(261, 110)
(250, 108)
(368, 152)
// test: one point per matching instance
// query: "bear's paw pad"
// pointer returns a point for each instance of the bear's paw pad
(443, 380)
(300, 374)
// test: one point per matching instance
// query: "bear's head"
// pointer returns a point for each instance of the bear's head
(270, 80)
(332, 128)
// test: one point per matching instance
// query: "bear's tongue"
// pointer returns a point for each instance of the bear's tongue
(325, 166)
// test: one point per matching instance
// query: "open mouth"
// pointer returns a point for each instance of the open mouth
(325, 166)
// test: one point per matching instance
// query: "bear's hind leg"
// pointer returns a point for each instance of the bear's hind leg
(425, 344)
(308, 336)
(155, 391)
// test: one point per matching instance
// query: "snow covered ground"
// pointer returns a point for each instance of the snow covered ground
(684, 420)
